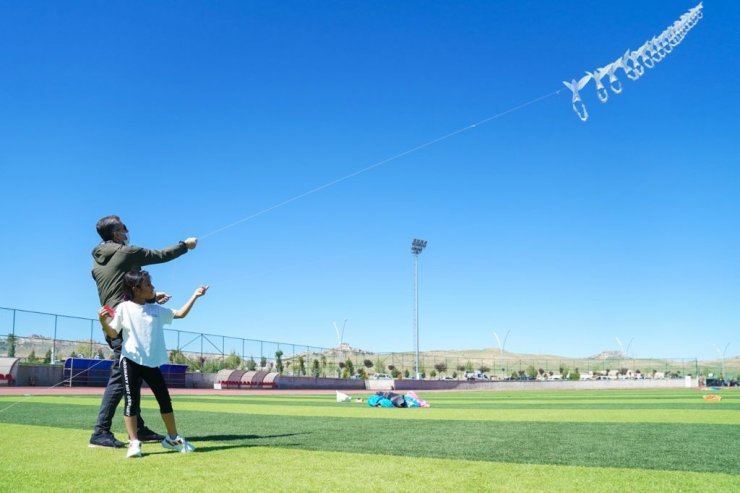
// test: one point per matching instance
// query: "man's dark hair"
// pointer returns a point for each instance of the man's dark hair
(131, 280)
(107, 226)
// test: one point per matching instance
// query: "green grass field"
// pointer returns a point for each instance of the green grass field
(611, 440)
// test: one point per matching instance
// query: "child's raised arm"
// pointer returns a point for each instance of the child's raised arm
(182, 312)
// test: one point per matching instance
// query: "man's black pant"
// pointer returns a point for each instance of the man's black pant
(113, 394)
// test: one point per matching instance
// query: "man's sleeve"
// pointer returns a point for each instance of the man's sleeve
(143, 256)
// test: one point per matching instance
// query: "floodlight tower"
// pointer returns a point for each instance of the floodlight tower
(416, 247)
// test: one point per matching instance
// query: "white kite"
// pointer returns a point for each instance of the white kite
(633, 62)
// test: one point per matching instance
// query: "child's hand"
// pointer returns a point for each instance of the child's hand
(162, 298)
(105, 312)
(201, 291)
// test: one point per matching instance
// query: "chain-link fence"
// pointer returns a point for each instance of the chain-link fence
(50, 338)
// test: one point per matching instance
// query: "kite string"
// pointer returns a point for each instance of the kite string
(335, 182)
(380, 163)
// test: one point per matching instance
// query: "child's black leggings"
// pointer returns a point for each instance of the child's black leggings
(133, 374)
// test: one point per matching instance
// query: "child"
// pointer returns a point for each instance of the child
(143, 352)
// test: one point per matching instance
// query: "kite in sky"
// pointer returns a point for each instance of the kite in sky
(633, 62)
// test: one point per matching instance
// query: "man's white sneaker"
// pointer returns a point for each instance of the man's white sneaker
(134, 449)
(178, 444)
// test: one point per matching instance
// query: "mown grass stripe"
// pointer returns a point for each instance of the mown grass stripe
(659, 446)
(34, 464)
(713, 413)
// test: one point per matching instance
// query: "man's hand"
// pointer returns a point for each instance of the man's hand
(201, 291)
(190, 242)
(162, 298)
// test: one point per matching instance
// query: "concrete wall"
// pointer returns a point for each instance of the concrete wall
(538, 385)
(39, 375)
(285, 382)
(51, 375)
(380, 384)
(200, 380)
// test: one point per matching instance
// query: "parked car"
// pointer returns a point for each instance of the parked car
(382, 376)
(718, 382)
(475, 375)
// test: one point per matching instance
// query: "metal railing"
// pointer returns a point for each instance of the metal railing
(50, 338)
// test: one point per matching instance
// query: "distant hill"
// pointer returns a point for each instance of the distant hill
(609, 355)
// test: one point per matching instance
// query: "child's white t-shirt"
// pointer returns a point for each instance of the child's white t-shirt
(143, 332)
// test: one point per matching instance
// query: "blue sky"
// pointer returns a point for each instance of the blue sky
(186, 117)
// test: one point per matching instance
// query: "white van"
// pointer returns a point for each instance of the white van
(475, 375)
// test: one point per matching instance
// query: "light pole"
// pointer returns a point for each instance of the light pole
(416, 247)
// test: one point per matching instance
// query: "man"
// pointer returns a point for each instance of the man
(112, 259)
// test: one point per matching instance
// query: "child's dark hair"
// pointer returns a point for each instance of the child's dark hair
(106, 226)
(133, 279)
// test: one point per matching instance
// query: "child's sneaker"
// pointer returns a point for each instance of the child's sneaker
(189, 447)
(178, 444)
(134, 449)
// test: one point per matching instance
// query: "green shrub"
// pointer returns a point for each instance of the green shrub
(11, 345)
(232, 361)
(177, 357)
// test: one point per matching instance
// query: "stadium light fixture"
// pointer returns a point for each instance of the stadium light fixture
(416, 247)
